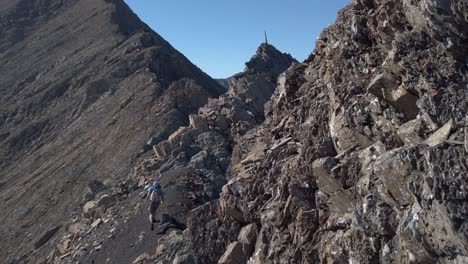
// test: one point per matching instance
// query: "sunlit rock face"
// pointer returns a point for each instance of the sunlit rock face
(362, 157)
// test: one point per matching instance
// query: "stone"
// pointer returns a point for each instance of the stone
(197, 121)
(233, 254)
(181, 131)
(143, 258)
(141, 182)
(96, 223)
(185, 259)
(248, 236)
(381, 82)
(221, 123)
(387, 87)
(395, 174)
(96, 186)
(409, 132)
(441, 135)
(323, 166)
(65, 255)
(76, 229)
(89, 209)
(106, 201)
(46, 237)
(343, 137)
(460, 260)
(64, 246)
(162, 149)
(466, 134)
(174, 239)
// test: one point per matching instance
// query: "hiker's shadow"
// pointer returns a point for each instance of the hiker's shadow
(168, 222)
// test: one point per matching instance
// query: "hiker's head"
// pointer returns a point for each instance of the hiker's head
(156, 184)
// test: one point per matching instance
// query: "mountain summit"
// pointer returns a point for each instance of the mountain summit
(268, 60)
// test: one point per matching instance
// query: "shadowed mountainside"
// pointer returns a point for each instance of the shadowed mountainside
(84, 84)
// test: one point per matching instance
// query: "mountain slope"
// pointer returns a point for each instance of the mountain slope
(362, 157)
(84, 84)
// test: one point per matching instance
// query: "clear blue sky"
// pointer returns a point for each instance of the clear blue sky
(219, 36)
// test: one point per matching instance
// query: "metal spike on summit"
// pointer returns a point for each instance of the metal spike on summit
(266, 38)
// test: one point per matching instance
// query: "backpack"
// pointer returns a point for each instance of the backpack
(155, 194)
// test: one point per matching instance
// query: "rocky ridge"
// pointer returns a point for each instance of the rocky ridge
(359, 156)
(191, 165)
(363, 154)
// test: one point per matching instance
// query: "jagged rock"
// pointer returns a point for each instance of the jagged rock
(197, 121)
(185, 259)
(96, 223)
(89, 209)
(106, 201)
(395, 175)
(387, 87)
(356, 181)
(248, 234)
(96, 186)
(233, 255)
(466, 134)
(143, 258)
(76, 229)
(221, 123)
(64, 246)
(141, 182)
(440, 135)
(93, 188)
(409, 132)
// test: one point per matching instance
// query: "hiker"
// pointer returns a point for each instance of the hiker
(156, 197)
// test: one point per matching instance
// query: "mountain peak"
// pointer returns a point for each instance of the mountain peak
(269, 59)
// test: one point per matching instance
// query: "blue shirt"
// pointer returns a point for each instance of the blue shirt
(157, 190)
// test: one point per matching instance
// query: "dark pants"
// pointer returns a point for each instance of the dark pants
(153, 206)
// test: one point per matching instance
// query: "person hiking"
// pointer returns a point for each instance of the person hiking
(156, 197)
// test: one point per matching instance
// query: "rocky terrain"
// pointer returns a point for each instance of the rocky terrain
(362, 157)
(357, 155)
(84, 84)
(191, 165)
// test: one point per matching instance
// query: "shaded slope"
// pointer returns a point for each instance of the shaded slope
(83, 85)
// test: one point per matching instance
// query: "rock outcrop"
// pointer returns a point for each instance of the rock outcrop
(362, 157)
(84, 84)
(204, 147)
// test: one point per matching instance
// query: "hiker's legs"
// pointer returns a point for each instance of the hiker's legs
(153, 207)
